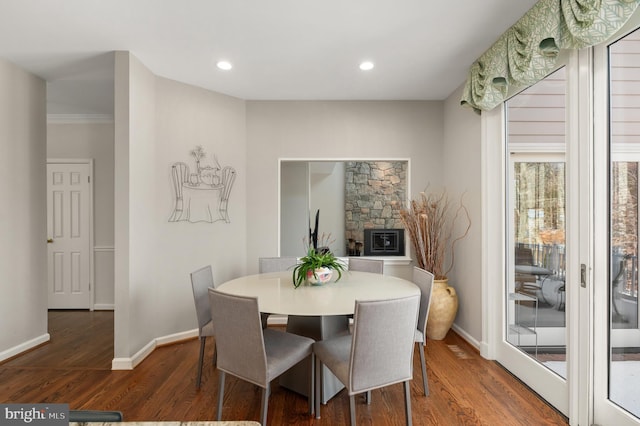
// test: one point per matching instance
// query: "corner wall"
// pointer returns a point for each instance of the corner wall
(159, 122)
(461, 161)
(23, 249)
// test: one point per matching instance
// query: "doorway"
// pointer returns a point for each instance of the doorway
(70, 234)
(594, 273)
(526, 199)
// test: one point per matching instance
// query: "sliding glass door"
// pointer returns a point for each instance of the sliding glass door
(534, 344)
(561, 188)
(617, 330)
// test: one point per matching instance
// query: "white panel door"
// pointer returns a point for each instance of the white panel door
(69, 227)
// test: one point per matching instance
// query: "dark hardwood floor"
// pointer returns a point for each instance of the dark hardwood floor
(75, 368)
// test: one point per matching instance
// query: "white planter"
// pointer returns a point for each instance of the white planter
(322, 276)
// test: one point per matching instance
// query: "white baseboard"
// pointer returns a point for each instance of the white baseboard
(177, 337)
(25, 346)
(466, 336)
(484, 350)
(138, 357)
(121, 364)
(104, 307)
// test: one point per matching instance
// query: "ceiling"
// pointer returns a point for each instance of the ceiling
(280, 49)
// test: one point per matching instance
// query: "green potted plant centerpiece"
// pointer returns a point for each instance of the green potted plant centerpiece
(317, 267)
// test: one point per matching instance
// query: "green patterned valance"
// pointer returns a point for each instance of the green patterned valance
(527, 51)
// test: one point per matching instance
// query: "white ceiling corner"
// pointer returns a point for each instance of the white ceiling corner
(280, 49)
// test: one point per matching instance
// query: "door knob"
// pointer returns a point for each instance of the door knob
(50, 240)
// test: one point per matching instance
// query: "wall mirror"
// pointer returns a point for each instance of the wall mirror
(350, 195)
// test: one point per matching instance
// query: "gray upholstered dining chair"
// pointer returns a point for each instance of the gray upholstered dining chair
(260, 355)
(379, 353)
(201, 280)
(274, 264)
(424, 280)
(375, 266)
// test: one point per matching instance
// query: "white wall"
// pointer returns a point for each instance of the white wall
(186, 117)
(121, 225)
(461, 162)
(332, 129)
(145, 290)
(163, 121)
(93, 140)
(23, 251)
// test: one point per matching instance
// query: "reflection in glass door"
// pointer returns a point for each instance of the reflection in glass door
(624, 145)
(535, 287)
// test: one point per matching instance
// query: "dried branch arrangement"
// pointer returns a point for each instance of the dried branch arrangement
(430, 224)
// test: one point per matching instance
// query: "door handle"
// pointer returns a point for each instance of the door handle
(50, 240)
(583, 275)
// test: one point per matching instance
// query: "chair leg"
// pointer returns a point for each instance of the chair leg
(200, 360)
(352, 409)
(264, 318)
(318, 383)
(265, 404)
(367, 397)
(425, 383)
(312, 396)
(215, 356)
(407, 402)
(220, 395)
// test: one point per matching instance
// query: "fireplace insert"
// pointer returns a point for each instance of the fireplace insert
(384, 242)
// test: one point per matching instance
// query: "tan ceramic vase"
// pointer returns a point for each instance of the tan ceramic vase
(443, 309)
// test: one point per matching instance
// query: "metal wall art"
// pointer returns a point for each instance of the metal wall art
(202, 192)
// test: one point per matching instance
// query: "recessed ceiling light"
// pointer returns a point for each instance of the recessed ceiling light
(224, 65)
(366, 66)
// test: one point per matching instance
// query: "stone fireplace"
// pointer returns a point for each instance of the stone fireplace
(374, 193)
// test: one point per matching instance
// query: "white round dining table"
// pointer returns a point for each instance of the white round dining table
(277, 295)
(316, 311)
